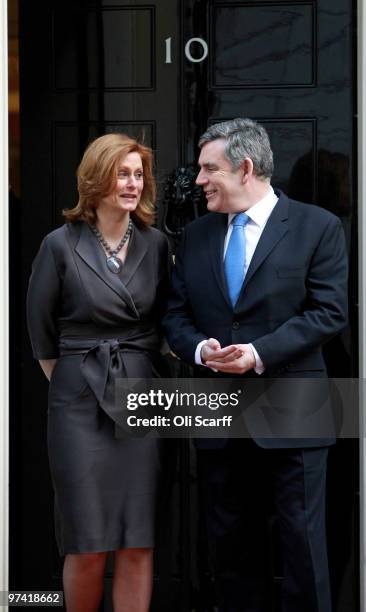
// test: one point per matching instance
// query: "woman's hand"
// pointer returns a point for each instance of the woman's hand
(47, 366)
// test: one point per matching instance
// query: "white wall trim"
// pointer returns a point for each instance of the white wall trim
(361, 58)
(4, 318)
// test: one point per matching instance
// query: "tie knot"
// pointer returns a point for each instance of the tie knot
(241, 219)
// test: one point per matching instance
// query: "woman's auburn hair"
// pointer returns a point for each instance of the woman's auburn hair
(97, 176)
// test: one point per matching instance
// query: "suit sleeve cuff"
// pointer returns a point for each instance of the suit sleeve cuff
(259, 367)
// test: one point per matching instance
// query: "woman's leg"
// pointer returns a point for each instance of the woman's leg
(83, 578)
(132, 582)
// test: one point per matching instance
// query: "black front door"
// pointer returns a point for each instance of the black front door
(162, 71)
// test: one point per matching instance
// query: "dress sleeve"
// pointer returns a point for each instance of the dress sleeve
(42, 304)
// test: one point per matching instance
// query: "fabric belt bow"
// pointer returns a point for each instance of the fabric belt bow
(105, 361)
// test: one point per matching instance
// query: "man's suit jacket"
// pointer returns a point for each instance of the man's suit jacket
(293, 299)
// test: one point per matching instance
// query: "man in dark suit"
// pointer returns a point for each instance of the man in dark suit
(258, 294)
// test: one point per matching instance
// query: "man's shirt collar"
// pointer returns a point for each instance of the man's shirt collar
(260, 211)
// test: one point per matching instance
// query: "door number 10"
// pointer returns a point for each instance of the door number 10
(187, 50)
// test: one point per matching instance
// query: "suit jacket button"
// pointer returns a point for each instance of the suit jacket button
(236, 325)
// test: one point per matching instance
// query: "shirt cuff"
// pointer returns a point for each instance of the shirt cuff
(259, 367)
(197, 355)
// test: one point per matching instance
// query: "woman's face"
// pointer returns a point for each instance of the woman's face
(127, 191)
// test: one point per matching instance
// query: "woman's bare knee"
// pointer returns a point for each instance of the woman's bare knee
(135, 554)
(87, 562)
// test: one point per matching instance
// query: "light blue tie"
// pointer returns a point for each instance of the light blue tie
(235, 257)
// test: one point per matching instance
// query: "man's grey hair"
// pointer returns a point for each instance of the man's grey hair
(244, 138)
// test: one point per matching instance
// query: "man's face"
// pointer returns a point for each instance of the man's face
(223, 187)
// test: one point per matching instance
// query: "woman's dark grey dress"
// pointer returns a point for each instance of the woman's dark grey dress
(99, 326)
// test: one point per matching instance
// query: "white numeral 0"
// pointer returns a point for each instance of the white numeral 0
(187, 49)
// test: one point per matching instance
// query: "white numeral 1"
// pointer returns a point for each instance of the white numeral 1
(168, 50)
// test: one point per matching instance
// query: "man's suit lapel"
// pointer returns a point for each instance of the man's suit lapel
(92, 254)
(216, 251)
(276, 227)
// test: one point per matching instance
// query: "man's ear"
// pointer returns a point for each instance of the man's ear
(247, 168)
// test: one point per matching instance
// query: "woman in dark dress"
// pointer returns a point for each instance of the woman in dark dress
(95, 296)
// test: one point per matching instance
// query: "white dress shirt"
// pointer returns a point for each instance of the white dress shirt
(258, 216)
